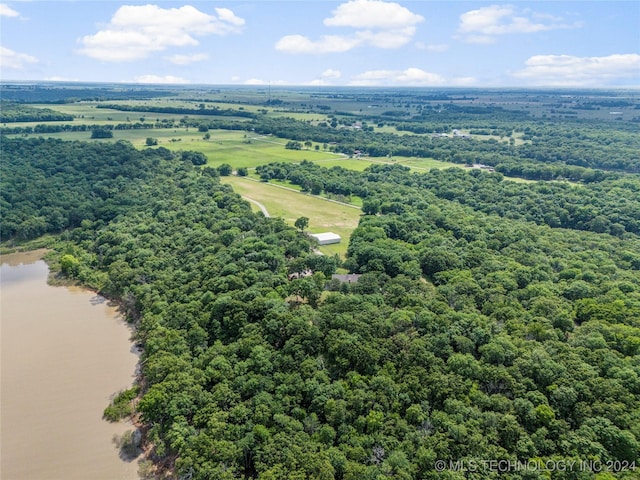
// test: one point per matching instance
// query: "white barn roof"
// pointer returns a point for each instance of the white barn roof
(326, 238)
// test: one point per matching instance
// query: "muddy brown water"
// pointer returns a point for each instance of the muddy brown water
(63, 353)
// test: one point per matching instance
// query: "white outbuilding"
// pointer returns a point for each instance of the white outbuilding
(326, 238)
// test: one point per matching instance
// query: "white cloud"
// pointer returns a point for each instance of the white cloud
(331, 73)
(376, 23)
(170, 79)
(326, 44)
(14, 60)
(7, 11)
(180, 59)
(411, 77)
(227, 16)
(436, 48)
(57, 78)
(567, 70)
(387, 38)
(372, 14)
(326, 78)
(257, 81)
(254, 81)
(136, 31)
(485, 24)
(463, 81)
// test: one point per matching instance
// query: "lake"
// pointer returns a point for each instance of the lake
(64, 352)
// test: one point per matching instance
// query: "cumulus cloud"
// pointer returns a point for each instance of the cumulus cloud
(137, 31)
(57, 78)
(463, 81)
(255, 81)
(258, 81)
(179, 59)
(410, 76)
(485, 24)
(567, 70)
(372, 14)
(15, 60)
(326, 44)
(331, 73)
(436, 47)
(168, 79)
(7, 11)
(376, 23)
(326, 77)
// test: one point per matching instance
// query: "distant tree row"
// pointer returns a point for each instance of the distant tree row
(215, 111)
(62, 94)
(14, 112)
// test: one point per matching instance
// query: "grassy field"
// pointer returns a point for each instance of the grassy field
(86, 113)
(244, 149)
(184, 138)
(324, 216)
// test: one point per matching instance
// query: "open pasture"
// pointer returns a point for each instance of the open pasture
(240, 149)
(166, 137)
(86, 113)
(358, 164)
(422, 164)
(324, 215)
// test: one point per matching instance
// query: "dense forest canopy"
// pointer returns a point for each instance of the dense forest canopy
(476, 331)
(608, 206)
(15, 112)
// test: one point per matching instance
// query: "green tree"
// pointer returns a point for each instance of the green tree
(370, 207)
(301, 223)
(69, 265)
(225, 170)
(101, 133)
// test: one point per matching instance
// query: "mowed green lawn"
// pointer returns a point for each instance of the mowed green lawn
(324, 216)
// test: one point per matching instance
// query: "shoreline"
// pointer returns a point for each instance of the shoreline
(132, 422)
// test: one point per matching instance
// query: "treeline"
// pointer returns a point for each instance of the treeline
(66, 94)
(214, 111)
(587, 144)
(568, 155)
(611, 206)
(13, 112)
(468, 335)
(69, 127)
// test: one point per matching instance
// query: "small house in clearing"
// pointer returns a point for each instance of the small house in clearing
(326, 238)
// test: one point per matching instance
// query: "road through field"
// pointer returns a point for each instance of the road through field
(262, 208)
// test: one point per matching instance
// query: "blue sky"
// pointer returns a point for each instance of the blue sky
(351, 42)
